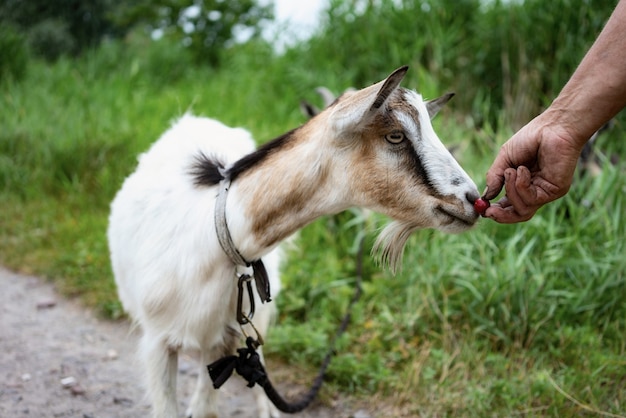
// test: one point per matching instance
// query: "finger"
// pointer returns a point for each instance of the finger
(512, 208)
(495, 175)
(517, 183)
(495, 182)
(494, 209)
(510, 177)
(526, 191)
(506, 215)
(503, 202)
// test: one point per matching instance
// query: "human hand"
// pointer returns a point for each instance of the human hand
(535, 166)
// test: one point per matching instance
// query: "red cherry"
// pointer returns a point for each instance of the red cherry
(481, 205)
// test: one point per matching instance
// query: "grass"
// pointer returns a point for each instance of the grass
(526, 319)
(497, 319)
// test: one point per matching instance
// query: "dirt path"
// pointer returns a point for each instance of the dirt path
(58, 360)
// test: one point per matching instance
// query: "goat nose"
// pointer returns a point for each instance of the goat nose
(472, 196)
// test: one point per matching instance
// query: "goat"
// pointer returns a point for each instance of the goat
(373, 148)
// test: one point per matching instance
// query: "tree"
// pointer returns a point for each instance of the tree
(205, 26)
(62, 26)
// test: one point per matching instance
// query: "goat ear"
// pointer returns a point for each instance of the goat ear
(353, 110)
(389, 85)
(327, 96)
(308, 109)
(435, 105)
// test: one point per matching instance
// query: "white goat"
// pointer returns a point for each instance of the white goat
(373, 148)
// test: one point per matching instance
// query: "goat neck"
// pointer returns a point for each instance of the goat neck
(290, 188)
(373, 148)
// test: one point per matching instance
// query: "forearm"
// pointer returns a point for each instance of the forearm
(597, 90)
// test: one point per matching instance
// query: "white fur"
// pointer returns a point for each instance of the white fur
(172, 276)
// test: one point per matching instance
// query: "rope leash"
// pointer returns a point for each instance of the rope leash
(248, 363)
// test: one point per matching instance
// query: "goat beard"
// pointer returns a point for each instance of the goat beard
(389, 246)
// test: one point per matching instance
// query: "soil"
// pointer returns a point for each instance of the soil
(58, 359)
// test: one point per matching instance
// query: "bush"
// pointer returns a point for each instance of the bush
(13, 54)
(514, 55)
(51, 39)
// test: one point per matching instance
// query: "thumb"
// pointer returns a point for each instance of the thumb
(495, 181)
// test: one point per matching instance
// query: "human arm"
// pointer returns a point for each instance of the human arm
(536, 165)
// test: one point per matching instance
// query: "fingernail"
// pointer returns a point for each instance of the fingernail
(486, 190)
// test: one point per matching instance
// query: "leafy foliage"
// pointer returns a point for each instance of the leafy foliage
(14, 54)
(72, 26)
(513, 55)
(205, 26)
(60, 27)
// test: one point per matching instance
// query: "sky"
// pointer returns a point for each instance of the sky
(300, 18)
(299, 12)
(294, 20)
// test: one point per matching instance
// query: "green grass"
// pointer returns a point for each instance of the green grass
(526, 319)
(494, 321)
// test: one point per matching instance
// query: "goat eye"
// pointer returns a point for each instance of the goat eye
(395, 137)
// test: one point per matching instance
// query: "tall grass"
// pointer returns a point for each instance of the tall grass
(499, 321)
(514, 54)
(475, 323)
